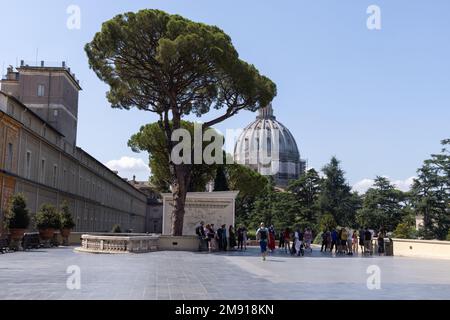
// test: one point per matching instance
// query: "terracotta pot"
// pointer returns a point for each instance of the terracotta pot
(46, 234)
(17, 234)
(65, 233)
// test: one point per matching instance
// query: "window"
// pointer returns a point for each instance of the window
(55, 176)
(9, 157)
(28, 165)
(41, 90)
(43, 171)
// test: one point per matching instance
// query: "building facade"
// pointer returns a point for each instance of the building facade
(154, 216)
(39, 157)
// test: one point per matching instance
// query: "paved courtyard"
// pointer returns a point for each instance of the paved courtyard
(41, 274)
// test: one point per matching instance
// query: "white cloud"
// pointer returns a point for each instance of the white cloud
(404, 185)
(364, 185)
(128, 167)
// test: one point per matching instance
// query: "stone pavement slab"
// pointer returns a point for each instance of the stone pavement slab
(42, 274)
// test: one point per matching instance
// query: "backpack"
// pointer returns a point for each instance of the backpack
(263, 234)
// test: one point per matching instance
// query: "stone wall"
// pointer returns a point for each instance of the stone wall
(422, 248)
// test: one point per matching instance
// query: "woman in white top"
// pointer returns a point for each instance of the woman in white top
(297, 242)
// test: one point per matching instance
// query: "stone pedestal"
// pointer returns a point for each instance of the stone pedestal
(211, 207)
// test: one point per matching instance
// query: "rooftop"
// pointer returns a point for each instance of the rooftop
(47, 66)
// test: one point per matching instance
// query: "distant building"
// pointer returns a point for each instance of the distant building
(39, 157)
(268, 138)
(154, 216)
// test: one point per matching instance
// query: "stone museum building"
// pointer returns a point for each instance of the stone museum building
(39, 156)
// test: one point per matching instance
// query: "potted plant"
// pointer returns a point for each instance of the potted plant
(67, 223)
(17, 218)
(116, 229)
(47, 221)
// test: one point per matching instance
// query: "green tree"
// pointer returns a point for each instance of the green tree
(221, 181)
(150, 138)
(48, 217)
(431, 195)
(17, 215)
(382, 206)
(327, 222)
(174, 67)
(66, 217)
(251, 186)
(336, 197)
(404, 231)
(306, 190)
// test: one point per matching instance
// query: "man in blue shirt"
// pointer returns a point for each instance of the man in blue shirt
(334, 240)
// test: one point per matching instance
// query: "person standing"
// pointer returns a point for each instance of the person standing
(287, 240)
(281, 244)
(224, 237)
(349, 242)
(355, 242)
(361, 239)
(334, 240)
(271, 243)
(344, 237)
(298, 236)
(214, 239)
(324, 241)
(209, 237)
(368, 241)
(240, 236)
(308, 239)
(200, 232)
(380, 240)
(232, 238)
(262, 234)
(219, 238)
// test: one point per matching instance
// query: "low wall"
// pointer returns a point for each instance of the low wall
(422, 248)
(118, 243)
(184, 243)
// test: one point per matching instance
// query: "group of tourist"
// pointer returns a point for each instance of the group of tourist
(343, 241)
(222, 239)
(347, 241)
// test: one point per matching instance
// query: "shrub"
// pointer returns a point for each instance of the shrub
(65, 217)
(17, 215)
(327, 222)
(448, 236)
(116, 229)
(48, 218)
(404, 231)
(251, 234)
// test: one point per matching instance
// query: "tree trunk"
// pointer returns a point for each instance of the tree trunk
(179, 192)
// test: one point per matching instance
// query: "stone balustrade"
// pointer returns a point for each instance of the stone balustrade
(121, 243)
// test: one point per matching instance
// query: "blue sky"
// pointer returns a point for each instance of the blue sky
(376, 99)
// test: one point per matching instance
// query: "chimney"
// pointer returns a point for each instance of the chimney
(42, 64)
(22, 63)
(63, 64)
(134, 178)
